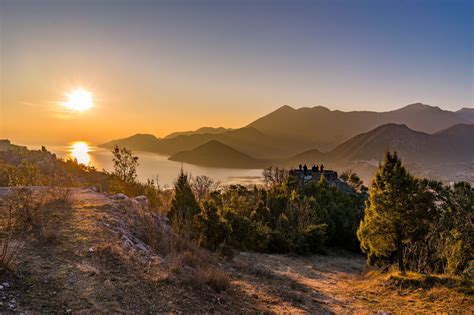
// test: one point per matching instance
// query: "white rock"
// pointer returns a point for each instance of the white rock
(1, 287)
(142, 200)
(6, 285)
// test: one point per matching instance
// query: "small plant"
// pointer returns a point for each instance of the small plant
(10, 242)
(206, 275)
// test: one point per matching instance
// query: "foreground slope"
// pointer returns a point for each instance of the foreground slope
(97, 263)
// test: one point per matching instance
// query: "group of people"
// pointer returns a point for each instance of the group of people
(314, 169)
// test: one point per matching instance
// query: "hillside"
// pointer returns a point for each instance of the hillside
(217, 154)
(138, 142)
(466, 114)
(454, 144)
(98, 263)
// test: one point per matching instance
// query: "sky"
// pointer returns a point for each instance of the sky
(163, 66)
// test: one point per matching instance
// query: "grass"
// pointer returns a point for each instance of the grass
(29, 215)
(413, 281)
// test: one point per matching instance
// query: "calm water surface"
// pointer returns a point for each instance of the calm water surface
(152, 165)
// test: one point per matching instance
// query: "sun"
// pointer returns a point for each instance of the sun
(79, 100)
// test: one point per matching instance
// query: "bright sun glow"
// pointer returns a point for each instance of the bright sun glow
(79, 100)
(80, 152)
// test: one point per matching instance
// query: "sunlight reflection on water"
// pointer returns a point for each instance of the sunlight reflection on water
(80, 152)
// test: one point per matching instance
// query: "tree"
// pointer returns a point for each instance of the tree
(391, 212)
(274, 176)
(184, 207)
(353, 180)
(202, 186)
(213, 228)
(458, 238)
(125, 164)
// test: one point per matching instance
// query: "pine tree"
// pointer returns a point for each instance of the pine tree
(213, 228)
(390, 213)
(184, 207)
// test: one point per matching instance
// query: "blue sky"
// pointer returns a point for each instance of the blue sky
(228, 62)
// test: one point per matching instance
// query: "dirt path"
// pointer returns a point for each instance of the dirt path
(89, 268)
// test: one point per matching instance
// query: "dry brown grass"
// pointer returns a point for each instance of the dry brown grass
(185, 261)
(30, 214)
(197, 269)
(208, 276)
(394, 291)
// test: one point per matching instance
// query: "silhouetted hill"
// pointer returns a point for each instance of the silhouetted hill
(138, 142)
(390, 137)
(321, 128)
(454, 144)
(202, 130)
(217, 154)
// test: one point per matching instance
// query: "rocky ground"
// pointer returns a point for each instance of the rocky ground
(95, 263)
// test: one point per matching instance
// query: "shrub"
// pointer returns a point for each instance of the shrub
(9, 244)
(184, 208)
(207, 276)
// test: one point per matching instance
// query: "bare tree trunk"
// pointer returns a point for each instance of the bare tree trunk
(401, 266)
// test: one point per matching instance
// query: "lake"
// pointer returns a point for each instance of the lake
(152, 165)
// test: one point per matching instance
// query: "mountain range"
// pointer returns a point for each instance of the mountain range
(423, 135)
(321, 128)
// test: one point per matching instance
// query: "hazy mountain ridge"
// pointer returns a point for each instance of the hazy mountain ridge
(138, 142)
(202, 130)
(324, 129)
(286, 130)
(467, 114)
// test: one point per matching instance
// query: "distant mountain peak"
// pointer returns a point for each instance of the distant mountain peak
(217, 154)
(418, 107)
(215, 143)
(144, 135)
(322, 108)
(285, 108)
(392, 126)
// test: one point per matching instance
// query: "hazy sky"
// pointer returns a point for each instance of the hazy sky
(161, 66)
